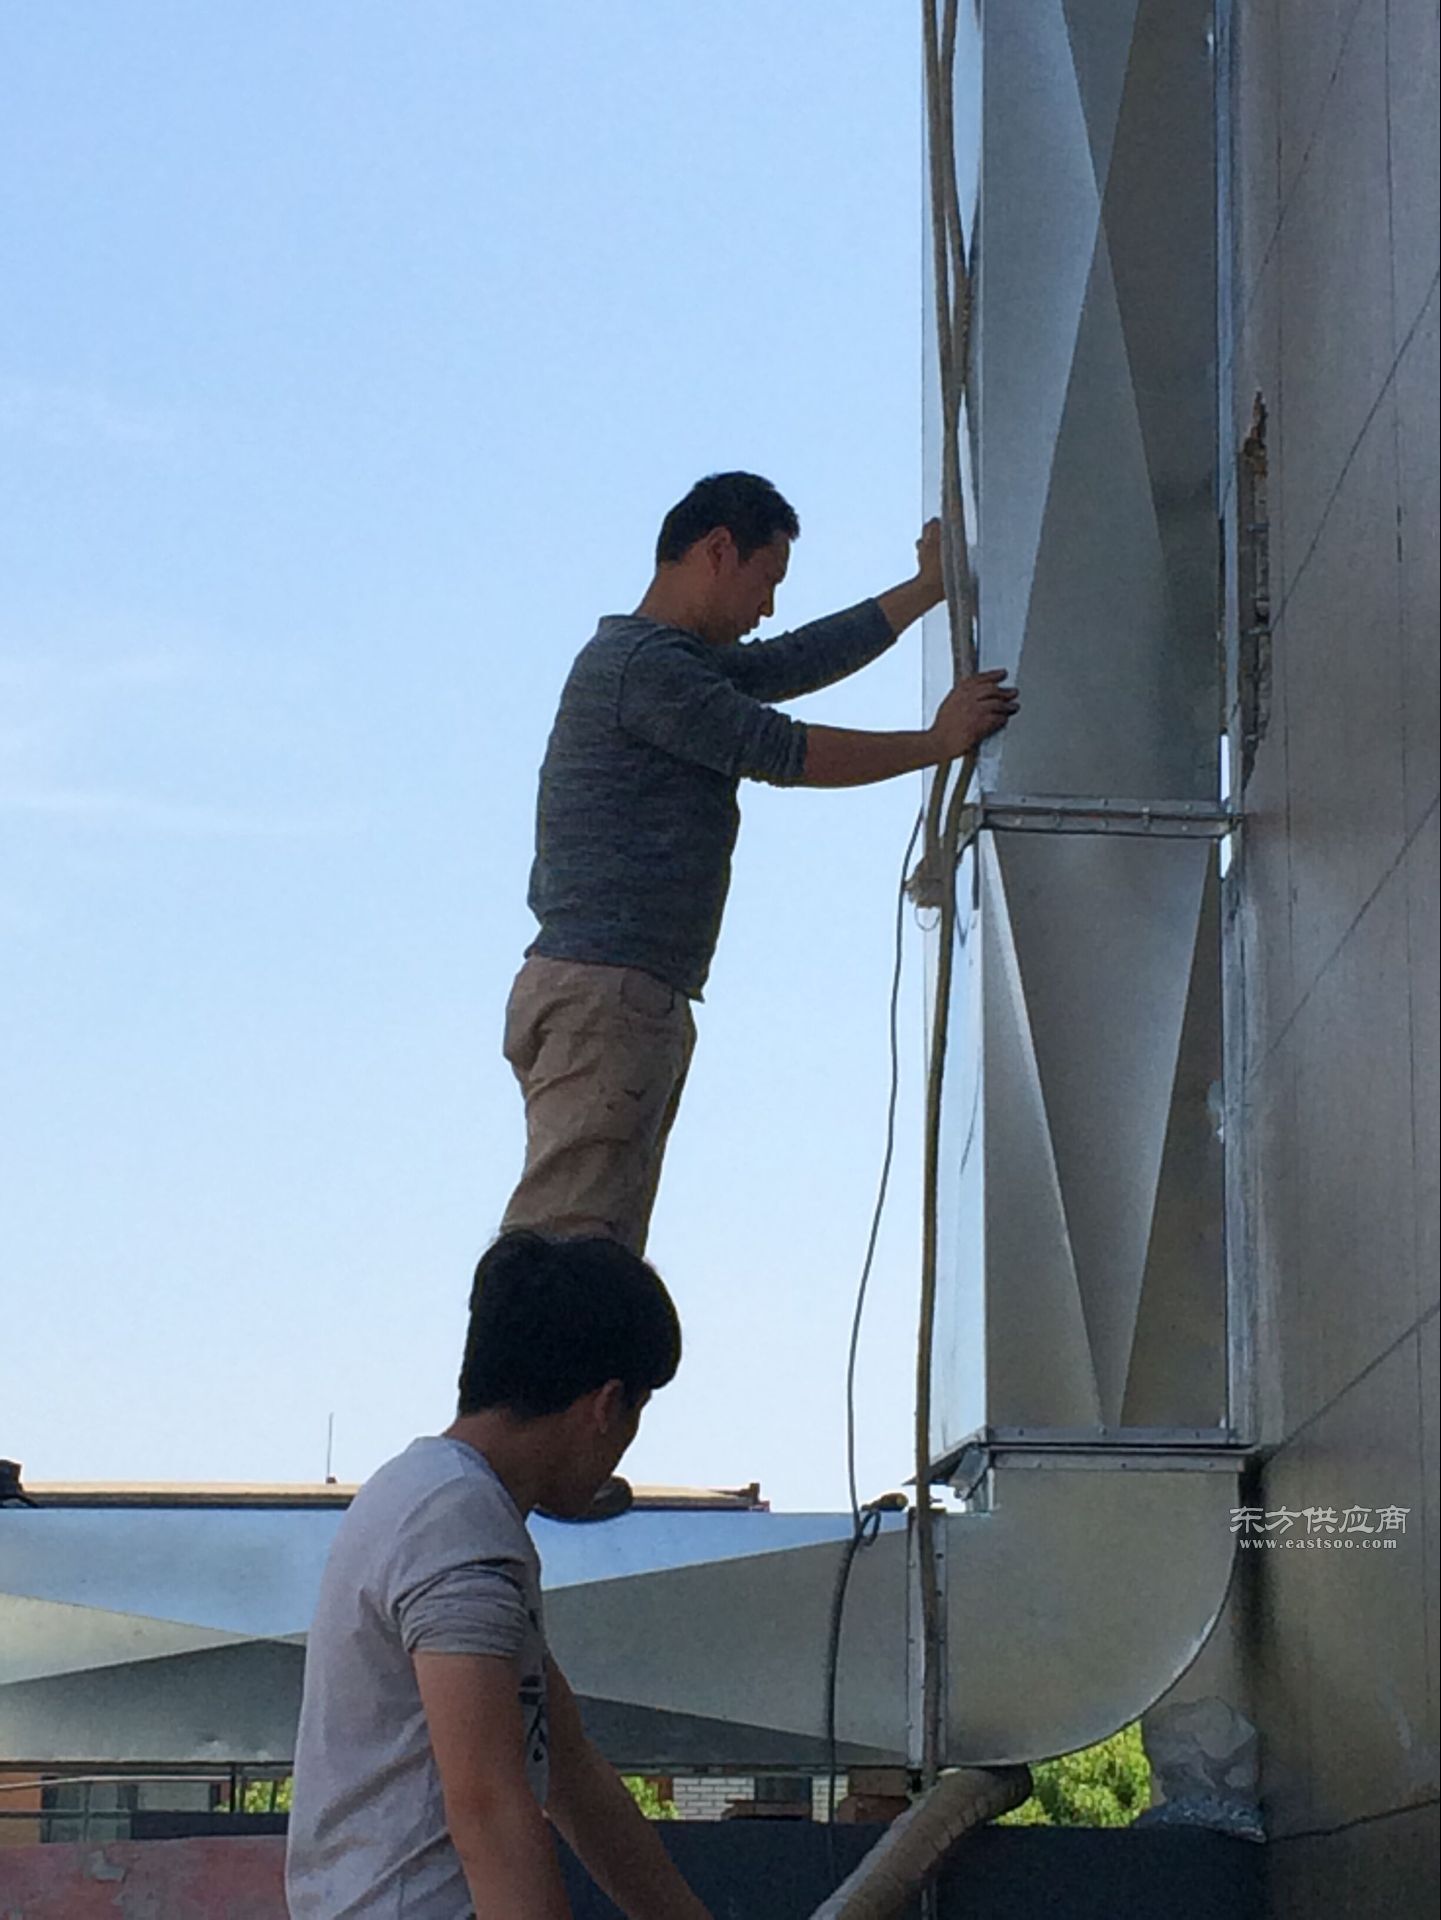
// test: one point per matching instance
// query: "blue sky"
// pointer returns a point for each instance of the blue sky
(353, 353)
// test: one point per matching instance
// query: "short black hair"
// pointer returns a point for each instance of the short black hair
(552, 1319)
(749, 508)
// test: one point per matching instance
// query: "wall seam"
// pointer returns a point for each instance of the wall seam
(1412, 836)
(1284, 200)
(1361, 1820)
(1346, 465)
(1409, 1333)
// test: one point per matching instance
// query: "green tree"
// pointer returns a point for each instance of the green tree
(647, 1797)
(1102, 1786)
(258, 1796)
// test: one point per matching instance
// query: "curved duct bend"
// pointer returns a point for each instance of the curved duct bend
(1078, 1599)
(1070, 1606)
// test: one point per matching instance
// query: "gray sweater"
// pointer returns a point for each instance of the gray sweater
(638, 815)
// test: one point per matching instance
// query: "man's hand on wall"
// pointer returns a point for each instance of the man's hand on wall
(973, 708)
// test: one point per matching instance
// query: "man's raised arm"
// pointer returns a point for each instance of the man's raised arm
(924, 590)
(817, 655)
(849, 757)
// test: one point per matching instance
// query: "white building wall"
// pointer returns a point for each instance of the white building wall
(1334, 322)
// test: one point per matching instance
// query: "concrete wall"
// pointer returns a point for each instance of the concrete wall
(1334, 322)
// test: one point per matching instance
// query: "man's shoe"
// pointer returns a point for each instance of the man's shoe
(609, 1503)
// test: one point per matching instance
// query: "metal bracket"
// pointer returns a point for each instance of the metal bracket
(1066, 813)
(967, 1470)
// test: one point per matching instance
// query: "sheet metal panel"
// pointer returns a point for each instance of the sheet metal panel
(1082, 1262)
(177, 1634)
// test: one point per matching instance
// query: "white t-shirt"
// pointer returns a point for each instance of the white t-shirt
(431, 1557)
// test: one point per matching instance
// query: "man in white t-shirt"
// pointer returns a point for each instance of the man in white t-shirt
(438, 1743)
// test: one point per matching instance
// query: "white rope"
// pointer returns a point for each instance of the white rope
(917, 1845)
(952, 270)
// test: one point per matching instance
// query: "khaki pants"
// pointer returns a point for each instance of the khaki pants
(601, 1054)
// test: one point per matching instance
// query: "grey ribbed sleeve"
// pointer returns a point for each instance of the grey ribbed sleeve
(637, 815)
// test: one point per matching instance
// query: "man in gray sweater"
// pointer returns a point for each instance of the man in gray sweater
(665, 712)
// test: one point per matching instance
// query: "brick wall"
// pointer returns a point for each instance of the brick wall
(707, 1796)
(161, 1879)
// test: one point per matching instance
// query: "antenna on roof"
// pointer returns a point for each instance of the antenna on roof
(329, 1449)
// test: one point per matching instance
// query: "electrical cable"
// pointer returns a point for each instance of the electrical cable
(953, 274)
(867, 1527)
(919, 1842)
(884, 1184)
(865, 1521)
(932, 883)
